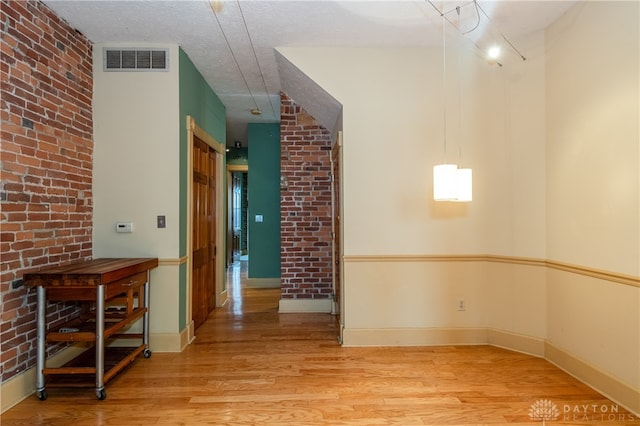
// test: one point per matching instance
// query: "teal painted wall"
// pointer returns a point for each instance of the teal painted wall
(264, 199)
(198, 100)
(238, 156)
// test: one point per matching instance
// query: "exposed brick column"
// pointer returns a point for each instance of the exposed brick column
(47, 149)
(305, 199)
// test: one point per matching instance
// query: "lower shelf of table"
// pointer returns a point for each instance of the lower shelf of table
(81, 371)
(83, 329)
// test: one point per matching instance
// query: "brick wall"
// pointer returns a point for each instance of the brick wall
(305, 204)
(47, 149)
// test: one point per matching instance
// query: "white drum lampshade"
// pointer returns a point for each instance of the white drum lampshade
(464, 178)
(445, 182)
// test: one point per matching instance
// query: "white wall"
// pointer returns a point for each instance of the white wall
(136, 171)
(519, 92)
(515, 208)
(593, 137)
(136, 174)
(593, 183)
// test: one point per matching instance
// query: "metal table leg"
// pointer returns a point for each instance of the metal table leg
(145, 318)
(41, 342)
(100, 294)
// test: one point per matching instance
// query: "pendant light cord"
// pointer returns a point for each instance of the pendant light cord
(444, 84)
(459, 92)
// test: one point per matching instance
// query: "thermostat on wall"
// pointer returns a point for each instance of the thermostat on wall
(124, 227)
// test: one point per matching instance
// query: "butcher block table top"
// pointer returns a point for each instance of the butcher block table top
(89, 273)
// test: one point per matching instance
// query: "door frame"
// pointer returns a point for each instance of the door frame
(337, 252)
(220, 149)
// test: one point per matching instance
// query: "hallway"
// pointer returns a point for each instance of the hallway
(250, 365)
(250, 317)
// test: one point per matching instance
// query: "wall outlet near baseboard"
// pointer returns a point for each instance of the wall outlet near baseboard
(461, 305)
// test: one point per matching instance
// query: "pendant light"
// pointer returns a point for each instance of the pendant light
(445, 186)
(449, 182)
(464, 185)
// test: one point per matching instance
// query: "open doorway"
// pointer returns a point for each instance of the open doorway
(237, 213)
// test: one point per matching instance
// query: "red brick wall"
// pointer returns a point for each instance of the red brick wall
(305, 161)
(47, 149)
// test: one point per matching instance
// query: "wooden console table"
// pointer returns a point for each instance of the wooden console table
(113, 293)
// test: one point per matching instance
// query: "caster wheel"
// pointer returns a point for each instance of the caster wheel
(101, 394)
(42, 395)
(147, 353)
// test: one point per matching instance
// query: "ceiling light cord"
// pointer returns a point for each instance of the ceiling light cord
(224, 35)
(253, 49)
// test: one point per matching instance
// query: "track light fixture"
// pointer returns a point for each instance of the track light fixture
(491, 50)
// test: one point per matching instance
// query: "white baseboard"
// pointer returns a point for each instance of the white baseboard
(516, 342)
(444, 336)
(23, 385)
(169, 342)
(191, 332)
(263, 282)
(185, 338)
(159, 342)
(304, 305)
(414, 336)
(609, 386)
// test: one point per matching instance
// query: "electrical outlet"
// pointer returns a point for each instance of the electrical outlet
(461, 305)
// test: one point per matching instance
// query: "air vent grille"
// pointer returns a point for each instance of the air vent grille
(136, 59)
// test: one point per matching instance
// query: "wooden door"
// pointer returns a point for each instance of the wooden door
(204, 231)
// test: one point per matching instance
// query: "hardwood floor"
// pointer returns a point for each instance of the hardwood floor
(250, 365)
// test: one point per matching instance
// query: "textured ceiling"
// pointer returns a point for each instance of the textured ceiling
(232, 42)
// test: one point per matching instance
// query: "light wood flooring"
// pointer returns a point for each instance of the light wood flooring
(251, 366)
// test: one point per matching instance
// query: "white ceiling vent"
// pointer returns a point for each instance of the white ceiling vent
(135, 59)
